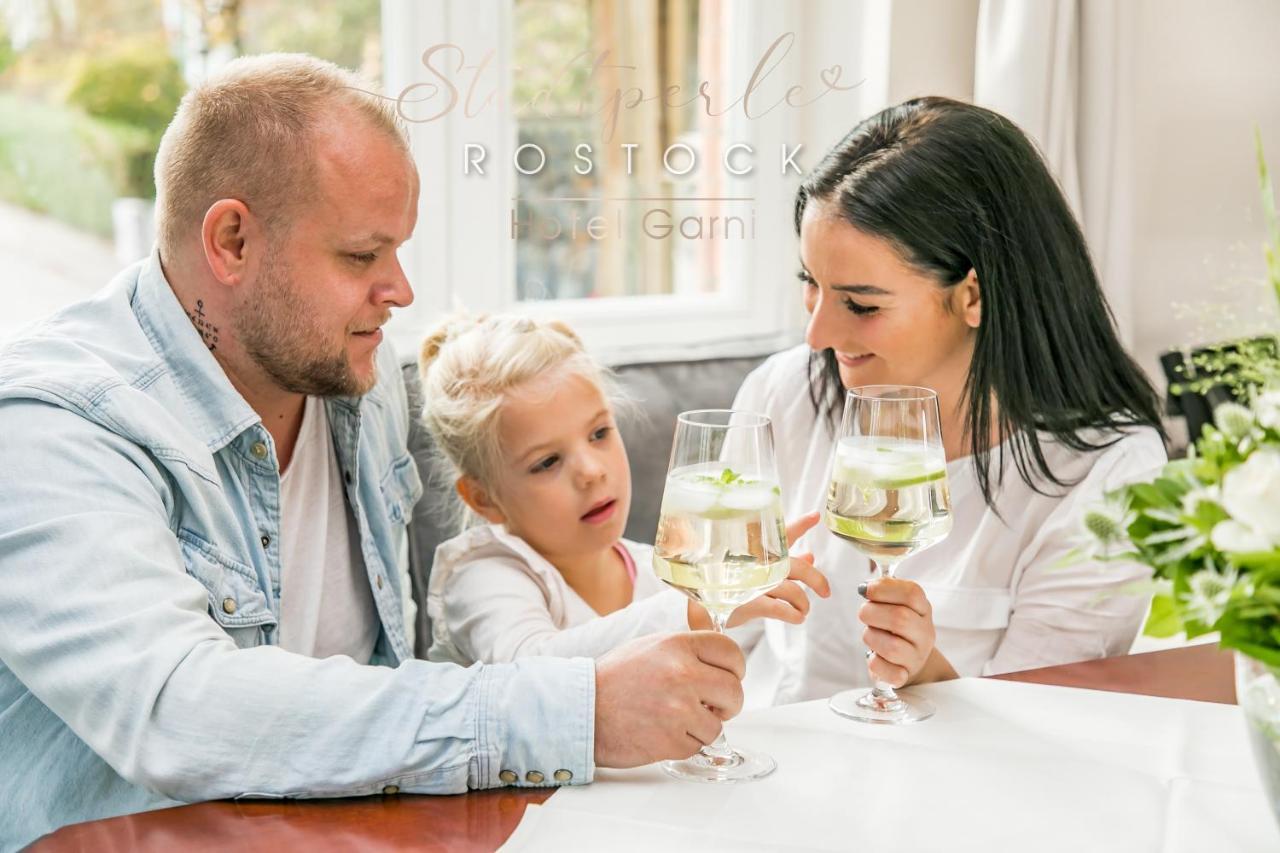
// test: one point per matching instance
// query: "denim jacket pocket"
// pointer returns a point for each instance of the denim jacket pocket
(236, 602)
(401, 488)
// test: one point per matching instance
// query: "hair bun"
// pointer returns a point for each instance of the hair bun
(449, 329)
(564, 329)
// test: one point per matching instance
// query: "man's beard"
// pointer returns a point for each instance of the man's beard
(289, 346)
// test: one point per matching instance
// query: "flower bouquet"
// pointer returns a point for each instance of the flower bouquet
(1209, 528)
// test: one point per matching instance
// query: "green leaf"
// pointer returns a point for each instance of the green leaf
(1163, 621)
(1151, 496)
(1168, 516)
(1164, 537)
(1173, 490)
(1208, 514)
(1182, 551)
(1257, 561)
(1267, 654)
(728, 475)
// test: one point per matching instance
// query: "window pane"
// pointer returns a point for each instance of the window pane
(347, 32)
(577, 69)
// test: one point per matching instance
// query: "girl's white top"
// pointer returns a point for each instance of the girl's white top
(1000, 604)
(492, 599)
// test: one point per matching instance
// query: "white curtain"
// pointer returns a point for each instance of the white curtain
(1059, 69)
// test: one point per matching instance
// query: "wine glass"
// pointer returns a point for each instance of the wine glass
(889, 497)
(722, 542)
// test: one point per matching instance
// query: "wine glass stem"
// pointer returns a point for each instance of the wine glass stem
(882, 690)
(718, 750)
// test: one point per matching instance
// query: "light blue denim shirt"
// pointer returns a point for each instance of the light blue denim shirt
(140, 595)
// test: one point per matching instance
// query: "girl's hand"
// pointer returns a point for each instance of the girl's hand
(900, 631)
(787, 602)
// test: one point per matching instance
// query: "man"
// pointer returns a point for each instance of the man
(205, 485)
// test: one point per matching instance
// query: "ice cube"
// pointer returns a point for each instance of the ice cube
(750, 497)
(683, 495)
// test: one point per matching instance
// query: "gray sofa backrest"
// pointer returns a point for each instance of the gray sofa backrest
(660, 392)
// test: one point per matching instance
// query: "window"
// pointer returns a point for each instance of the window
(580, 222)
(525, 115)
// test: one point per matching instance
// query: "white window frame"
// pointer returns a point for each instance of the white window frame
(454, 260)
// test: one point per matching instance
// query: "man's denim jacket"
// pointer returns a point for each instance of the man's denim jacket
(140, 590)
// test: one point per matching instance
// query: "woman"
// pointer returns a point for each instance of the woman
(936, 250)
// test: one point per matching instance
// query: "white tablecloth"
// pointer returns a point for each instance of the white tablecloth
(1002, 766)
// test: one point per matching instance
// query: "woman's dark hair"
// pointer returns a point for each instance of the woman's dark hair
(954, 187)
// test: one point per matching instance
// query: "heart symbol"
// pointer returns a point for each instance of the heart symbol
(831, 76)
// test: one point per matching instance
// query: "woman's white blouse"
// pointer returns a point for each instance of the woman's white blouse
(492, 599)
(1000, 601)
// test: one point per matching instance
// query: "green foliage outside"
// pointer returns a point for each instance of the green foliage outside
(547, 82)
(134, 88)
(83, 106)
(136, 83)
(343, 31)
(60, 162)
(7, 53)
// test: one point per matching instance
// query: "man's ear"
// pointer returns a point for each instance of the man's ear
(229, 240)
(477, 497)
(968, 296)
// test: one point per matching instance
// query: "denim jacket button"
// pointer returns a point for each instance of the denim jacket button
(533, 777)
(228, 606)
(259, 450)
(379, 580)
(508, 776)
(563, 775)
(391, 789)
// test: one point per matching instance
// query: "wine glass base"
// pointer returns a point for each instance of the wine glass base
(864, 707)
(740, 765)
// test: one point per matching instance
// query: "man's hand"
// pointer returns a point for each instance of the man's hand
(664, 696)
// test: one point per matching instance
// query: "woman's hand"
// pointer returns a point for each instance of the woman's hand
(788, 601)
(900, 631)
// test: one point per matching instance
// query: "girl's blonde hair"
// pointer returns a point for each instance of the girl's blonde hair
(470, 364)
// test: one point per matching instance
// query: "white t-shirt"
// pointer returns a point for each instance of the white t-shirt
(326, 605)
(999, 602)
(492, 598)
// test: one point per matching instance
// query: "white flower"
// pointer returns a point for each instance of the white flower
(1251, 494)
(1209, 593)
(1201, 494)
(1234, 420)
(1104, 527)
(1236, 538)
(1267, 407)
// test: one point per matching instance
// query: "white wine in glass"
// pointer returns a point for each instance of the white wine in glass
(721, 539)
(722, 542)
(889, 498)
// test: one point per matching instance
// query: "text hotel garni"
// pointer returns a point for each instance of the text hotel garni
(656, 222)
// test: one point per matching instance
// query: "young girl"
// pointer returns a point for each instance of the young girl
(525, 419)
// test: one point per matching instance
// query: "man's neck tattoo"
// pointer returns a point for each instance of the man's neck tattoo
(208, 331)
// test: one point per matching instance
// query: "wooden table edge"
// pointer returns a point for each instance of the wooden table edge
(489, 817)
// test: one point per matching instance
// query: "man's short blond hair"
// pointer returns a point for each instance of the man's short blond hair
(248, 133)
